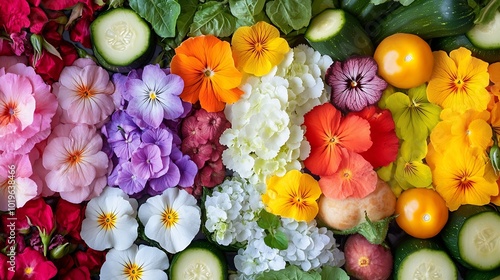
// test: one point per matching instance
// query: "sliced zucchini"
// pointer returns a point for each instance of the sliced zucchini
(121, 40)
(472, 235)
(200, 260)
(338, 34)
(486, 36)
(423, 259)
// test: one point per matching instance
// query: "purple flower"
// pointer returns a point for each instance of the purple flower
(156, 96)
(123, 135)
(161, 137)
(168, 180)
(147, 161)
(128, 180)
(354, 83)
(186, 166)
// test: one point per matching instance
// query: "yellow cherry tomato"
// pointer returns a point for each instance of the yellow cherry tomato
(422, 213)
(404, 60)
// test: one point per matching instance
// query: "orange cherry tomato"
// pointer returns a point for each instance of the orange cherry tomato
(422, 213)
(404, 60)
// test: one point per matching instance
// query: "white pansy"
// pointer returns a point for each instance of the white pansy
(172, 219)
(141, 262)
(110, 221)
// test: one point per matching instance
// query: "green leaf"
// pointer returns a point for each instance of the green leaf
(184, 21)
(51, 49)
(374, 232)
(329, 272)
(246, 8)
(162, 15)
(289, 15)
(277, 240)
(290, 272)
(318, 6)
(268, 220)
(487, 13)
(213, 18)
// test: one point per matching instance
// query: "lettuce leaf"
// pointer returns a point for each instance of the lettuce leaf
(162, 15)
(289, 15)
(213, 18)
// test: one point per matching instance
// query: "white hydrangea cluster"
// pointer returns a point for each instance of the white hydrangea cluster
(232, 211)
(309, 248)
(266, 137)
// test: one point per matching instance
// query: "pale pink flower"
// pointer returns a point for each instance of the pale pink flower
(77, 165)
(84, 92)
(26, 107)
(15, 173)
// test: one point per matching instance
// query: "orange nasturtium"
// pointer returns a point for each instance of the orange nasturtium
(206, 65)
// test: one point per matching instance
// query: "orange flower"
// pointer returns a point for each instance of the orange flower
(327, 133)
(459, 81)
(206, 65)
(494, 71)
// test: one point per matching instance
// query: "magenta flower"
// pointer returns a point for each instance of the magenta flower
(77, 165)
(84, 93)
(26, 107)
(30, 264)
(156, 96)
(354, 83)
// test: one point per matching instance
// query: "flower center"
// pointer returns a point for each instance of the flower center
(465, 182)
(364, 261)
(107, 221)
(170, 217)
(334, 140)
(8, 113)
(85, 92)
(353, 84)
(459, 83)
(74, 157)
(347, 174)
(152, 95)
(132, 271)
(28, 270)
(208, 72)
(258, 47)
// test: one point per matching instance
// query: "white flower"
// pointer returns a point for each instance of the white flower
(110, 221)
(172, 219)
(141, 262)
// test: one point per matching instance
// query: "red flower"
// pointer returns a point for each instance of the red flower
(6, 267)
(212, 174)
(80, 32)
(14, 15)
(30, 264)
(385, 142)
(327, 133)
(39, 213)
(5, 48)
(90, 259)
(78, 273)
(65, 265)
(69, 218)
(38, 19)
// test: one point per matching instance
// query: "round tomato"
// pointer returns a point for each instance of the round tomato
(404, 60)
(422, 213)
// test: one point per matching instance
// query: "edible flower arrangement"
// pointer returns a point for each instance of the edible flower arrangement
(250, 139)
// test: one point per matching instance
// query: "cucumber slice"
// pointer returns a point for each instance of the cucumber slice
(121, 40)
(338, 34)
(423, 259)
(450, 43)
(472, 235)
(200, 260)
(486, 36)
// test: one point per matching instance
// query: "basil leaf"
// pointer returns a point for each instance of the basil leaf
(277, 240)
(213, 18)
(268, 220)
(162, 15)
(289, 15)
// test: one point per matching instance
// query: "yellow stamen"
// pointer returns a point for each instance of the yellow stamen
(107, 221)
(170, 217)
(132, 271)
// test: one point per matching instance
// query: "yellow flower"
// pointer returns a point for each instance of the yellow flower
(464, 176)
(459, 81)
(293, 196)
(258, 48)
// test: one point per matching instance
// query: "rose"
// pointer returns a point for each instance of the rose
(69, 218)
(91, 259)
(39, 214)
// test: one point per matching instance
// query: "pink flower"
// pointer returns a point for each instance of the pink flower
(18, 42)
(77, 165)
(211, 124)
(15, 173)
(30, 264)
(26, 107)
(84, 93)
(212, 174)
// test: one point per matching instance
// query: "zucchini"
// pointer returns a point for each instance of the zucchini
(121, 40)
(428, 19)
(338, 34)
(450, 43)
(368, 13)
(423, 259)
(482, 275)
(200, 260)
(472, 236)
(486, 36)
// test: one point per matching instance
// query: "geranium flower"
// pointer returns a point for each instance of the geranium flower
(413, 115)
(26, 107)
(354, 178)
(84, 93)
(15, 173)
(110, 221)
(258, 48)
(206, 65)
(77, 165)
(155, 96)
(327, 133)
(355, 83)
(459, 81)
(30, 264)
(172, 219)
(463, 175)
(293, 196)
(384, 149)
(135, 263)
